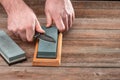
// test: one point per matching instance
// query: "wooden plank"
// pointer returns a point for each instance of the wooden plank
(92, 23)
(97, 13)
(84, 54)
(83, 4)
(88, 9)
(82, 23)
(96, 4)
(92, 34)
(83, 51)
(48, 73)
(94, 56)
(96, 23)
(86, 13)
(100, 50)
(84, 9)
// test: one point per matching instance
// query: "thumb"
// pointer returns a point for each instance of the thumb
(49, 19)
(38, 27)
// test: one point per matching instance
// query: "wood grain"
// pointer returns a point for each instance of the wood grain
(83, 8)
(47, 73)
(95, 43)
(91, 49)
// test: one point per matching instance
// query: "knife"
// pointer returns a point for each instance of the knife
(43, 36)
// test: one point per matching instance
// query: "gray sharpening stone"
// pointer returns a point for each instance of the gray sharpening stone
(9, 50)
(48, 49)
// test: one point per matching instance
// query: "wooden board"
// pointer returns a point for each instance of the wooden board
(82, 51)
(93, 58)
(45, 61)
(82, 61)
(83, 8)
(58, 73)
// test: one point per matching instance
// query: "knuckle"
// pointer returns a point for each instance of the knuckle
(64, 16)
(29, 40)
(20, 29)
(62, 29)
(57, 17)
(68, 14)
(29, 27)
(12, 29)
(9, 29)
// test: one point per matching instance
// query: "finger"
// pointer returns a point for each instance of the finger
(38, 27)
(49, 19)
(22, 35)
(73, 17)
(13, 30)
(70, 21)
(65, 21)
(10, 27)
(59, 23)
(30, 33)
(16, 34)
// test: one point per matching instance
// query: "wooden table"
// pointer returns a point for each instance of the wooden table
(91, 49)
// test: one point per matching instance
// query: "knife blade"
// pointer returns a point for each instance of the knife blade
(43, 36)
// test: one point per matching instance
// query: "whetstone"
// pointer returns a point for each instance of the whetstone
(48, 49)
(48, 61)
(9, 50)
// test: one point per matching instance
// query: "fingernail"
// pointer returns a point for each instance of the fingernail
(43, 31)
(47, 25)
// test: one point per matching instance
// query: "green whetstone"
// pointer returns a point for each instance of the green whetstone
(9, 50)
(48, 49)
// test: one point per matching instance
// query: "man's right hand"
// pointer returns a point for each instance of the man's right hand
(21, 19)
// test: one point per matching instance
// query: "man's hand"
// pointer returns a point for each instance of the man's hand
(61, 12)
(21, 19)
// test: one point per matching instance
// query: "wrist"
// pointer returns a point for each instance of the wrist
(12, 5)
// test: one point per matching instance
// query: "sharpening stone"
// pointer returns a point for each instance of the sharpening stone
(48, 53)
(48, 49)
(9, 50)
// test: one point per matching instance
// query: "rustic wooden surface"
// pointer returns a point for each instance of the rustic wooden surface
(91, 49)
(83, 8)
